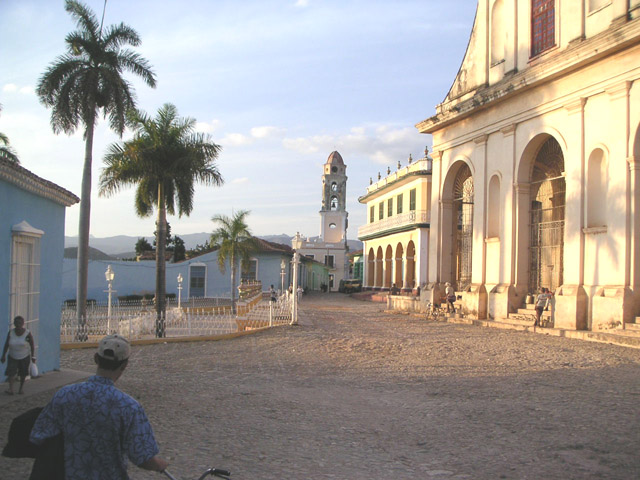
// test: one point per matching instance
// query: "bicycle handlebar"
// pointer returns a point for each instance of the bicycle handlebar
(214, 472)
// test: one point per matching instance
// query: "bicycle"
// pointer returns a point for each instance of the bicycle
(214, 472)
(434, 312)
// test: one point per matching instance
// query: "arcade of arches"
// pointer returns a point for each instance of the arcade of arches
(392, 266)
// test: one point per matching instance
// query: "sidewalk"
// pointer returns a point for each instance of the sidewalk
(48, 381)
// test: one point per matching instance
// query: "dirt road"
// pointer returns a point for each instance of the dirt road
(357, 393)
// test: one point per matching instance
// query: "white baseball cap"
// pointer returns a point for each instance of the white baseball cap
(114, 347)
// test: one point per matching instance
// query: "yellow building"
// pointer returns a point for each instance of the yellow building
(396, 236)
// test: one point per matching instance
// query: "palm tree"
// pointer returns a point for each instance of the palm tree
(164, 159)
(235, 245)
(6, 152)
(83, 83)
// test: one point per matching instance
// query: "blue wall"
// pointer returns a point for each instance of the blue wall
(140, 277)
(18, 205)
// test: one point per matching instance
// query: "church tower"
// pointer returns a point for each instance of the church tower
(330, 247)
(333, 224)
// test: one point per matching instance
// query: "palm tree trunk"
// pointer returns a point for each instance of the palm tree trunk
(83, 236)
(232, 263)
(160, 264)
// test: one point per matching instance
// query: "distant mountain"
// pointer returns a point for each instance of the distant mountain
(123, 246)
(94, 254)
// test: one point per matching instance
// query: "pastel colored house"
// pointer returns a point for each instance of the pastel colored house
(201, 275)
(32, 244)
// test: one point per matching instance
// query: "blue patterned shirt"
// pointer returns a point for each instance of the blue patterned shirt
(101, 426)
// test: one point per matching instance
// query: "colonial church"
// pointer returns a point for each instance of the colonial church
(330, 247)
(535, 173)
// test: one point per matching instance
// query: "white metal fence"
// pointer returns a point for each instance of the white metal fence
(137, 320)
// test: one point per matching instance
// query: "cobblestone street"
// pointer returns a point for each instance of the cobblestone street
(357, 393)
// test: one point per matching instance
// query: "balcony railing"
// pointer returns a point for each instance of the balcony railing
(422, 165)
(414, 217)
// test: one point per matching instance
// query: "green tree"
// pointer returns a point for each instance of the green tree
(179, 250)
(164, 159)
(6, 152)
(83, 83)
(143, 245)
(235, 244)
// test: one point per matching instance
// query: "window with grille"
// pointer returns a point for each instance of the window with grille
(328, 260)
(399, 204)
(25, 279)
(381, 211)
(251, 270)
(390, 207)
(412, 199)
(197, 275)
(372, 214)
(543, 26)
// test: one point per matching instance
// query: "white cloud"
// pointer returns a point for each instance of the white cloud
(267, 132)
(208, 127)
(302, 3)
(241, 180)
(235, 140)
(13, 88)
(383, 144)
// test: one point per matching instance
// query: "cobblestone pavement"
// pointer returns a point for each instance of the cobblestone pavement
(357, 393)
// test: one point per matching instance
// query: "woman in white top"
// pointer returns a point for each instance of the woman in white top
(450, 293)
(19, 344)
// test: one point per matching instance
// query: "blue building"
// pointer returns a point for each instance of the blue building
(270, 264)
(32, 220)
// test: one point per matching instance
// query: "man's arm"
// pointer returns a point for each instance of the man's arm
(156, 463)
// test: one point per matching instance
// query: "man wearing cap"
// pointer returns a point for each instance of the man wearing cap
(101, 425)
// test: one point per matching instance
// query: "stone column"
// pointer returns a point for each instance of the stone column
(475, 300)
(571, 298)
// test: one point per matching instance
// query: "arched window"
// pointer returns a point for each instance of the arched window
(497, 33)
(334, 203)
(543, 26)
(597, 189)
(493, 216)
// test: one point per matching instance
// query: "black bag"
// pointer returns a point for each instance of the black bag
(49, 463)
(18, 444)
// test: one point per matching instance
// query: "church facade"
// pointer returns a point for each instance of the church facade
(536, 164)
(330, 247)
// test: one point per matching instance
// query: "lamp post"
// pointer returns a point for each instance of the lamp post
(294, 304)
(109, 275)
(179, 289)
(283, 266)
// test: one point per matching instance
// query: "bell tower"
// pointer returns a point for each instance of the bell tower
(333, 215)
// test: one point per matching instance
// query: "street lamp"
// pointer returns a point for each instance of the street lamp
(109, 275)
(179, 289)
(294, 305)
(283, 266)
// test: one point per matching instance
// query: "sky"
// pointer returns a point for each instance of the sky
(278, 84)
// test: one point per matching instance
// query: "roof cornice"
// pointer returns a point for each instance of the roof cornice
(26, 180)
(546, 68)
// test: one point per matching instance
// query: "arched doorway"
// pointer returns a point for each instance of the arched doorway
(399, 271)
(462, 217)
(388, 266)
(411, 266)
(379, 264)
(371, 268)
(546, 233)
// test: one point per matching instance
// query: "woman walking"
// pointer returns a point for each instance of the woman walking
(19, 344)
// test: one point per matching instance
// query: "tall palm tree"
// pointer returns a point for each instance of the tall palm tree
(164, 159)
(235, 245)
(6, 152)
(83, 83)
